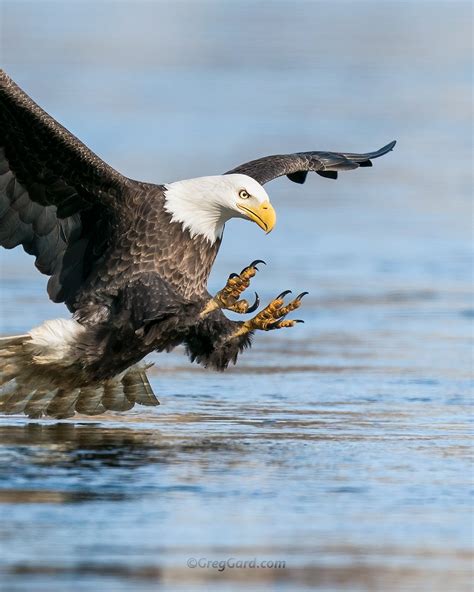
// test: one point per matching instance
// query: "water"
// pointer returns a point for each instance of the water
(340, 447)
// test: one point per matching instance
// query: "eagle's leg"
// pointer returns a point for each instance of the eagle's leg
(273, 315)
(228, 297)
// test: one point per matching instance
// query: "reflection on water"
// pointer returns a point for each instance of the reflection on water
(366, 491)
(339, 447)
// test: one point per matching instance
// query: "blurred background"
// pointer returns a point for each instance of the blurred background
(340, 446)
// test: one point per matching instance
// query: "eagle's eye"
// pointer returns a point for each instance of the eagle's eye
(243, 194)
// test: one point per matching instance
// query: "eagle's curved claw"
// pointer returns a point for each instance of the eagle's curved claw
(255, 305)
(283, 323)
(228, 297)
(254, 265)
(243, 307)
(273, 315)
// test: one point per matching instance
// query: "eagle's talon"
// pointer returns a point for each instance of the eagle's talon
(273, 315)
(240, 307)
(228, 297)
(243, 307)
(253, 265)
(255, 305)
(293, 305)
(282, 323)
(275, 325)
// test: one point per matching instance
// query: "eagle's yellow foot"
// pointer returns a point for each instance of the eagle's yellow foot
(228, 297)
(273, 315)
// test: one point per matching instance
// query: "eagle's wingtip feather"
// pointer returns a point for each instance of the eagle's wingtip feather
(390, 146)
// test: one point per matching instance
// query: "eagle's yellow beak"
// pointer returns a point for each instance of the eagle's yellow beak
(264, 215)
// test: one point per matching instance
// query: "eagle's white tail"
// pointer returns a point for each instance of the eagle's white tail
(38, 378)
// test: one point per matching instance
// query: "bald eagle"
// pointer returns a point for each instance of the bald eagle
(129, 259)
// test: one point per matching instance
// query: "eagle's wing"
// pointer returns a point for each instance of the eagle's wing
(56, 196)
(296, 166)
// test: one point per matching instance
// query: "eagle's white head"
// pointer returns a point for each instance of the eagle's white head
(203, 205)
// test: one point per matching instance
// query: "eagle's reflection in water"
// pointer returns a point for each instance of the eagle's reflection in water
(68, 449)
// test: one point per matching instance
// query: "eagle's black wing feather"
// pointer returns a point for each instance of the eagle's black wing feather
(296, 166)
(56, 196)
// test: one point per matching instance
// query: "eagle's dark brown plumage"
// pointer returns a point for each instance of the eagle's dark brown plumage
(130, 270)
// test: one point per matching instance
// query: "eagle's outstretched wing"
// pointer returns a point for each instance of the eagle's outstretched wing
(56, 196)
(296, 166)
